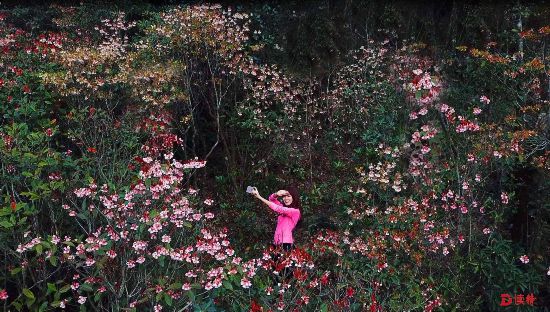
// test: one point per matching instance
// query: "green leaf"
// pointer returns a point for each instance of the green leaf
(52, 288)
(176, 285)
(53, 260)
(5, 211)
(86, 287)
(6, 224)
(28, 293)
(324, 307)
(228, 285)
(168, 299)
(43, 306)
(15, 271)
(65, 288)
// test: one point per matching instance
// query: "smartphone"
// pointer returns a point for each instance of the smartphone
(250, 189)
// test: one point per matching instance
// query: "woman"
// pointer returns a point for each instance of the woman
(289, 214)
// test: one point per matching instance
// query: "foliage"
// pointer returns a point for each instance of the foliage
(413, 165)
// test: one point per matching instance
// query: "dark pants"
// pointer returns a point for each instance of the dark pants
(285, 246)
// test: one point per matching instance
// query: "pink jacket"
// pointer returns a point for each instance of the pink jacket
(286, 221)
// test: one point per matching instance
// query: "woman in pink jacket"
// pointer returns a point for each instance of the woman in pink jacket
(288, 215)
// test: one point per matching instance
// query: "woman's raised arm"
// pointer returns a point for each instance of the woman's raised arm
(277, 207)
(273, 199)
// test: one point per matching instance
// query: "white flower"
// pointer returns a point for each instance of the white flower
(245, 282)
(484, 99)
(524, 259)
(81, 299)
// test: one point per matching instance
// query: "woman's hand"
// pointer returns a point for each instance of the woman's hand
(281, 193)
(255, 192)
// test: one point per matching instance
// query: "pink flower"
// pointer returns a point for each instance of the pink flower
(504, 198)
(477, 110)
(139, 245)
(197, 216)
(487, 231)
(245, 282)
(194, 163)
(186, 286)
(81, 299)
(484, 99)
(208, 202)
(524, 259)
(166, 238)
(55, 239)
(3, 294)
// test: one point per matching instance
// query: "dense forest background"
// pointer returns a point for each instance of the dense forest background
(417, 133)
